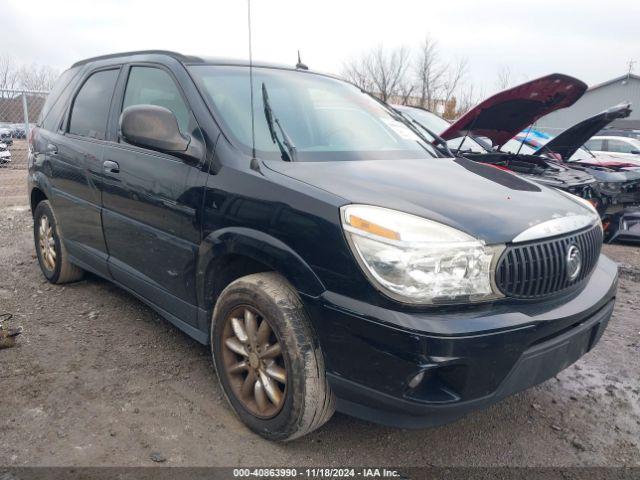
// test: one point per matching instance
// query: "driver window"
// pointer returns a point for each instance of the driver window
(154, 86)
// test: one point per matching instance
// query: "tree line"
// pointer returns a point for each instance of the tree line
(418, 77)
(33, 77)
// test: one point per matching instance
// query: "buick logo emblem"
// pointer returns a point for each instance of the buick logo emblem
(574, 262)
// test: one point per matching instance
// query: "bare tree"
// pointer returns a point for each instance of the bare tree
(423, 80)
(8, 74)
(356, 72)
(25, 77)
(429, 74)
(467, 98)
(406, 91)
(504, 79)
(453, 79)
(37, 77)
(381, 72)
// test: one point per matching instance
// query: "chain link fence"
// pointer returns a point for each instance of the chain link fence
(19, 110)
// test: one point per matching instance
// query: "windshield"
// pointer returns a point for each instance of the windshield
(438, 125)
(581, 154)
(323, 118)
(430, 120)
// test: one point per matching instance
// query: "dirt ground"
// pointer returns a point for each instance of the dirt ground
(100, 379)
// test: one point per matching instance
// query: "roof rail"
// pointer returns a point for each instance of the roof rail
(178, 56)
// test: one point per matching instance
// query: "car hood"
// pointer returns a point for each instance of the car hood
(537, 168)
(503, 115)
(608, 174)
(561, 176)
(568, 141)
(483, 201)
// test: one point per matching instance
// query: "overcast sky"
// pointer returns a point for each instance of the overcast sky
(593, 40)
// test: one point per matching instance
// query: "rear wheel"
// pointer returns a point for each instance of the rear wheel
(268, 359)
(52, 255)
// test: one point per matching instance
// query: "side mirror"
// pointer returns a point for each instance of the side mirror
(152, 127)
(635, 152)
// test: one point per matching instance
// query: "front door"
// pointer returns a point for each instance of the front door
(150, 219)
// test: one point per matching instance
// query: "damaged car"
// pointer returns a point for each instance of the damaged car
(307, 239)
(617, 179)
(479, 134)
(5, 155)
(495, 133)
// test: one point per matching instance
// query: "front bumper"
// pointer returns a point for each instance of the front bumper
(470, 357)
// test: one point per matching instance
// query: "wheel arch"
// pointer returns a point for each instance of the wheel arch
(40, 190)
(234, 252)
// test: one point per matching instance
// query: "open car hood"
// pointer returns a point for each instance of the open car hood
(503, 115)
(568, 141)
(606, 160)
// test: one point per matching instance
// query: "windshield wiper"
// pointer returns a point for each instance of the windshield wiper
(290, 153)
(437, 139)
(588, 150)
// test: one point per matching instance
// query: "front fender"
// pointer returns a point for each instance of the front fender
(258, 246)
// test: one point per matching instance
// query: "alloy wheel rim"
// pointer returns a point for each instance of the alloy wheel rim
(253, 362)
(47, 243)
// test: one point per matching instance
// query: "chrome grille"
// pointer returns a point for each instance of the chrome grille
(536, 269)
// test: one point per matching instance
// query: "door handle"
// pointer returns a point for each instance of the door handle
(111, 167)
(52, 149)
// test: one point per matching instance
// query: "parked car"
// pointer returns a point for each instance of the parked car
(618, 178)
(329, 252)
(5, 155)
(18, 130)
(480, 133)
(609, 182)
(624, 146)
(5, 136)
(619, 132)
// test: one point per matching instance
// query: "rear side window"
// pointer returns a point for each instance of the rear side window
(91, 106)
(154, 86)
(54, 105)
(619, 146)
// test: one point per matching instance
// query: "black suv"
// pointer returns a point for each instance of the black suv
(321, 246)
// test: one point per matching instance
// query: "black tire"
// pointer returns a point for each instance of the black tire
(308, 401)
(61, 270)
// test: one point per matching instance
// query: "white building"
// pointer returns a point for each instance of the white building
(596, 99)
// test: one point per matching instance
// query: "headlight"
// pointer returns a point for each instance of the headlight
(415, 260)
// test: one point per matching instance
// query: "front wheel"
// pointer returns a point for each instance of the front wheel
(268, 359)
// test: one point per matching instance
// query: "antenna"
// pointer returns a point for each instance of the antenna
(253, 126)
(300, 65)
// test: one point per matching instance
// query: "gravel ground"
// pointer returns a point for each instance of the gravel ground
(99, 379)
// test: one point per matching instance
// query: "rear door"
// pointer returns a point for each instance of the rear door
(150, 219)
(74, 164)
